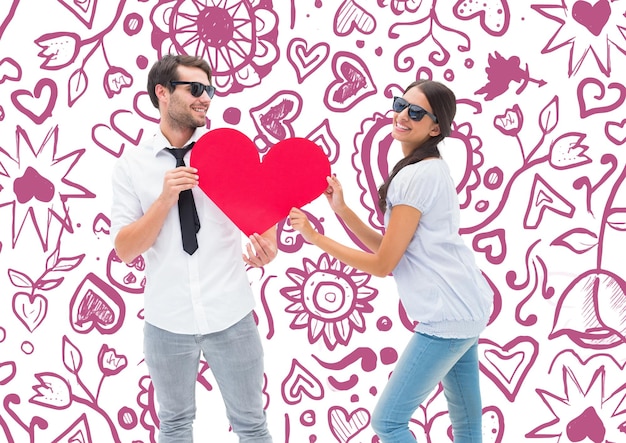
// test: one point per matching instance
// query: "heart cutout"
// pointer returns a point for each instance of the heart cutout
(256, 195)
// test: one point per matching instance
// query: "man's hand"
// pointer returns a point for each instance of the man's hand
(260, 250)
(177, 180)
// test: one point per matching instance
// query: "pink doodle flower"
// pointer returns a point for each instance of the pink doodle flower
(329, 299)
(53, 391)
(58, 50)
(511, 122)
(237, 37)
(109, 362)
(115, 80)
(567, 151)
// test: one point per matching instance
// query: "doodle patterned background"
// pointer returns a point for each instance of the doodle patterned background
(537, 152)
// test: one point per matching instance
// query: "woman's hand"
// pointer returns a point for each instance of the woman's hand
(300, 222)
(334, 194)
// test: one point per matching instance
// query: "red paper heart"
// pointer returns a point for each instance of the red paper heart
(256, 195)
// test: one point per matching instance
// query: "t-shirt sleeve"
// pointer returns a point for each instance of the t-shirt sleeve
(416, 186)
(126, 207)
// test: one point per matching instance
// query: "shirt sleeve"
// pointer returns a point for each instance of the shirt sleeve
(416, 185)
(126, 206)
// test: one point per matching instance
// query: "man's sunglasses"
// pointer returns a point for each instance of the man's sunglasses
(197, 88)
(415, 112)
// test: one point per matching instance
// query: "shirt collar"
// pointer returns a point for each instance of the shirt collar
(160, 142)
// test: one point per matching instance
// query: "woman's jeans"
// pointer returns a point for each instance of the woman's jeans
(426, 361)
(235, 357)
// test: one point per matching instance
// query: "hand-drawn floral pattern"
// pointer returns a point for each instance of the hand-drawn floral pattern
(238, 37)
(536, 152)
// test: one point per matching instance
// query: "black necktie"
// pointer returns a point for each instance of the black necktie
(189, 221)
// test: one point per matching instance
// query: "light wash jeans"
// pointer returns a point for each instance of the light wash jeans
(426, 361)
(235, 357)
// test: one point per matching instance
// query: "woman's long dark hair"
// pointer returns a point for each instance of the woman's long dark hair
(443, 104)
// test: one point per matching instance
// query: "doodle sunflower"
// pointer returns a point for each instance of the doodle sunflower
(236, 37)
(329, 299)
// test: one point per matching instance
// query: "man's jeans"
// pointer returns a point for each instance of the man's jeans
(426, 361)
(235, 356)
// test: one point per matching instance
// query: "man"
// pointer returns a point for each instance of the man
(197, 300)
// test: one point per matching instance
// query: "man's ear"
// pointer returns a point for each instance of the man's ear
(161, 92)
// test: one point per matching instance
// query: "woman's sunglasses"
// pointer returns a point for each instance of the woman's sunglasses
(197, 88)
(415, 112)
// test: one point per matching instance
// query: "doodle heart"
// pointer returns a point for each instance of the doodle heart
(37, 105)
(344, 425)
(351, 16)
(256, 194)
(588, 425)
(492, 244)
(30, 309)
(273, 117)
(304, 60)
(494, 14)
(616, 132)
(144, 108)
(606, 98)
(10, 70)
(351, 85)
(592, 17)
(300, 382)
(107, 139)
(122, 126)
(507, 366)
(96, 305)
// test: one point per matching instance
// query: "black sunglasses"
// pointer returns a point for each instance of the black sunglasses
(197, 88)
(415, 112)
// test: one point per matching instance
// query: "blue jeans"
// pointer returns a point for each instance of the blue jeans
(235, 356)
(426, 361)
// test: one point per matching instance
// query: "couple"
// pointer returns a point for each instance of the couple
(198, 300)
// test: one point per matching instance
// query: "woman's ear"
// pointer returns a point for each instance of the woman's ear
(435, 131)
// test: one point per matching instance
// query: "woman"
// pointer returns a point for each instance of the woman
(438, 281)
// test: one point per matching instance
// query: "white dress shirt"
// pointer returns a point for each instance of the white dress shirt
(186, 294)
